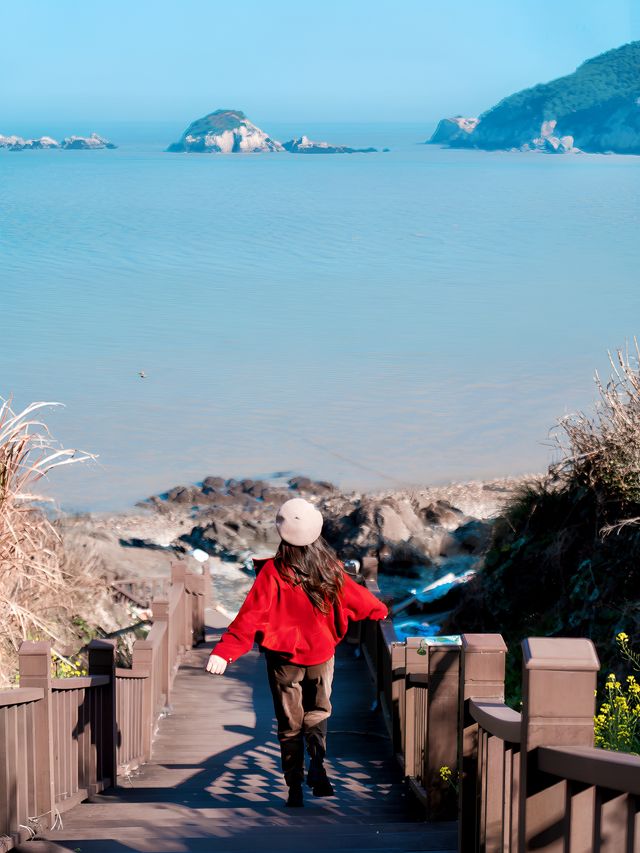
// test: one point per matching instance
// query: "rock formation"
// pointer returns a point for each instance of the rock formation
(224, 131)
(452, 130)
(304, 145)
(231, 132)
(86, 142)
(406, 530)
(18, 143)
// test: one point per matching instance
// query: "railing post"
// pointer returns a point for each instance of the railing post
(558, 705)
(35, 671)
(179, 576)
(482, 669)
(102, 661)
(142, 664)
(369, 568)
(397, 698)
(442, 728)
(160, 613)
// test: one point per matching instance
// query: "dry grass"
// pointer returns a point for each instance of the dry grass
(35, 584)
(601, 454)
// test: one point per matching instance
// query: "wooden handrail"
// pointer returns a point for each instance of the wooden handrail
(615, 771)
(534, 780)
(20, 695)
(524, 778)
(81, 682)
(63, 739)
(497, 719)
(121, 672)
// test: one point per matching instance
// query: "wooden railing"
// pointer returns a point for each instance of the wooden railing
(417, 686)
(140, 591)
(63, 740)
(533, 780)
(526, 781)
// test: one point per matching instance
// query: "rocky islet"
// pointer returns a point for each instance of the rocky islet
(231, 132)
(70, 143)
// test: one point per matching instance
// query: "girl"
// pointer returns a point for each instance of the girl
(298, 610)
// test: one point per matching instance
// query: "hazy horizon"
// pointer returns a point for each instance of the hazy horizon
(361, 62)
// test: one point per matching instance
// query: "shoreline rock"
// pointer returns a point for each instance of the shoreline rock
(406, 528)
(419, 535)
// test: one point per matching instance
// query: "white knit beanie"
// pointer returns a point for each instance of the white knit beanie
(299, 522)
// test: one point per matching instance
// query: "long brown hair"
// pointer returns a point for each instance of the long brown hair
(315, 567)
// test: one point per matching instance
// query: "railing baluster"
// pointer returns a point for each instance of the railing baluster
(81, 702)
(494, 794)
(30, 759)
(22, 756)
(7, 771)
(12, 758)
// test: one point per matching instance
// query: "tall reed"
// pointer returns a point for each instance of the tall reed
(33, 582)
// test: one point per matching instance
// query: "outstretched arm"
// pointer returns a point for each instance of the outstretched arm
(358, 603)
(240, 635)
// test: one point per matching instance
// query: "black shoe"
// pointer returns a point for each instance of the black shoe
(295, 799)
(318, 781)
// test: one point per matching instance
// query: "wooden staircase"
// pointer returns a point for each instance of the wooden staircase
(214, 781)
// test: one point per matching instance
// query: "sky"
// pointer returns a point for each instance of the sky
(338, 60)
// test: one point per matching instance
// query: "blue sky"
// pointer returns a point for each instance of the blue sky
(336, 60)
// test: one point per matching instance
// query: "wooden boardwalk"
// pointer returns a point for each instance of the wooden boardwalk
(214, 781)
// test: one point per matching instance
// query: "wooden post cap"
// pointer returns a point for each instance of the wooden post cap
(34, 661)
(478, 643)
(566, 654)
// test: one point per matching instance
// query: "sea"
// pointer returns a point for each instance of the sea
(384, 320)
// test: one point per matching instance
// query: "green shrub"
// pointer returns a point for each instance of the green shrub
(565, 553)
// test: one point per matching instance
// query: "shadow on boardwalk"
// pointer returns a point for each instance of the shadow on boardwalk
(214, 782)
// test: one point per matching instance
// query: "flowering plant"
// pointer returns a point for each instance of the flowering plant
(447, 776)
(617, 724)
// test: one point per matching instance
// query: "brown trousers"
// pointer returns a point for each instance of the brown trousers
(301, 700)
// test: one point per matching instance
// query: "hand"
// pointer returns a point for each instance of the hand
(216, 665)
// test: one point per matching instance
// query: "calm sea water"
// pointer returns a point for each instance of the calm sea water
(410, 317)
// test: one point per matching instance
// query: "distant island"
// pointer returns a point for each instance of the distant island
(231, 132)
(595, 109)
(70, 143)
(304, 145)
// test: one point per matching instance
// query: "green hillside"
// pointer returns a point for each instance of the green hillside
(599, 105)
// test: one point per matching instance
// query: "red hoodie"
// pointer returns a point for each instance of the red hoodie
(279, 616)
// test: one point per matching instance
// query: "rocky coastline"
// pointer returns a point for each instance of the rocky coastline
(429, 541)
